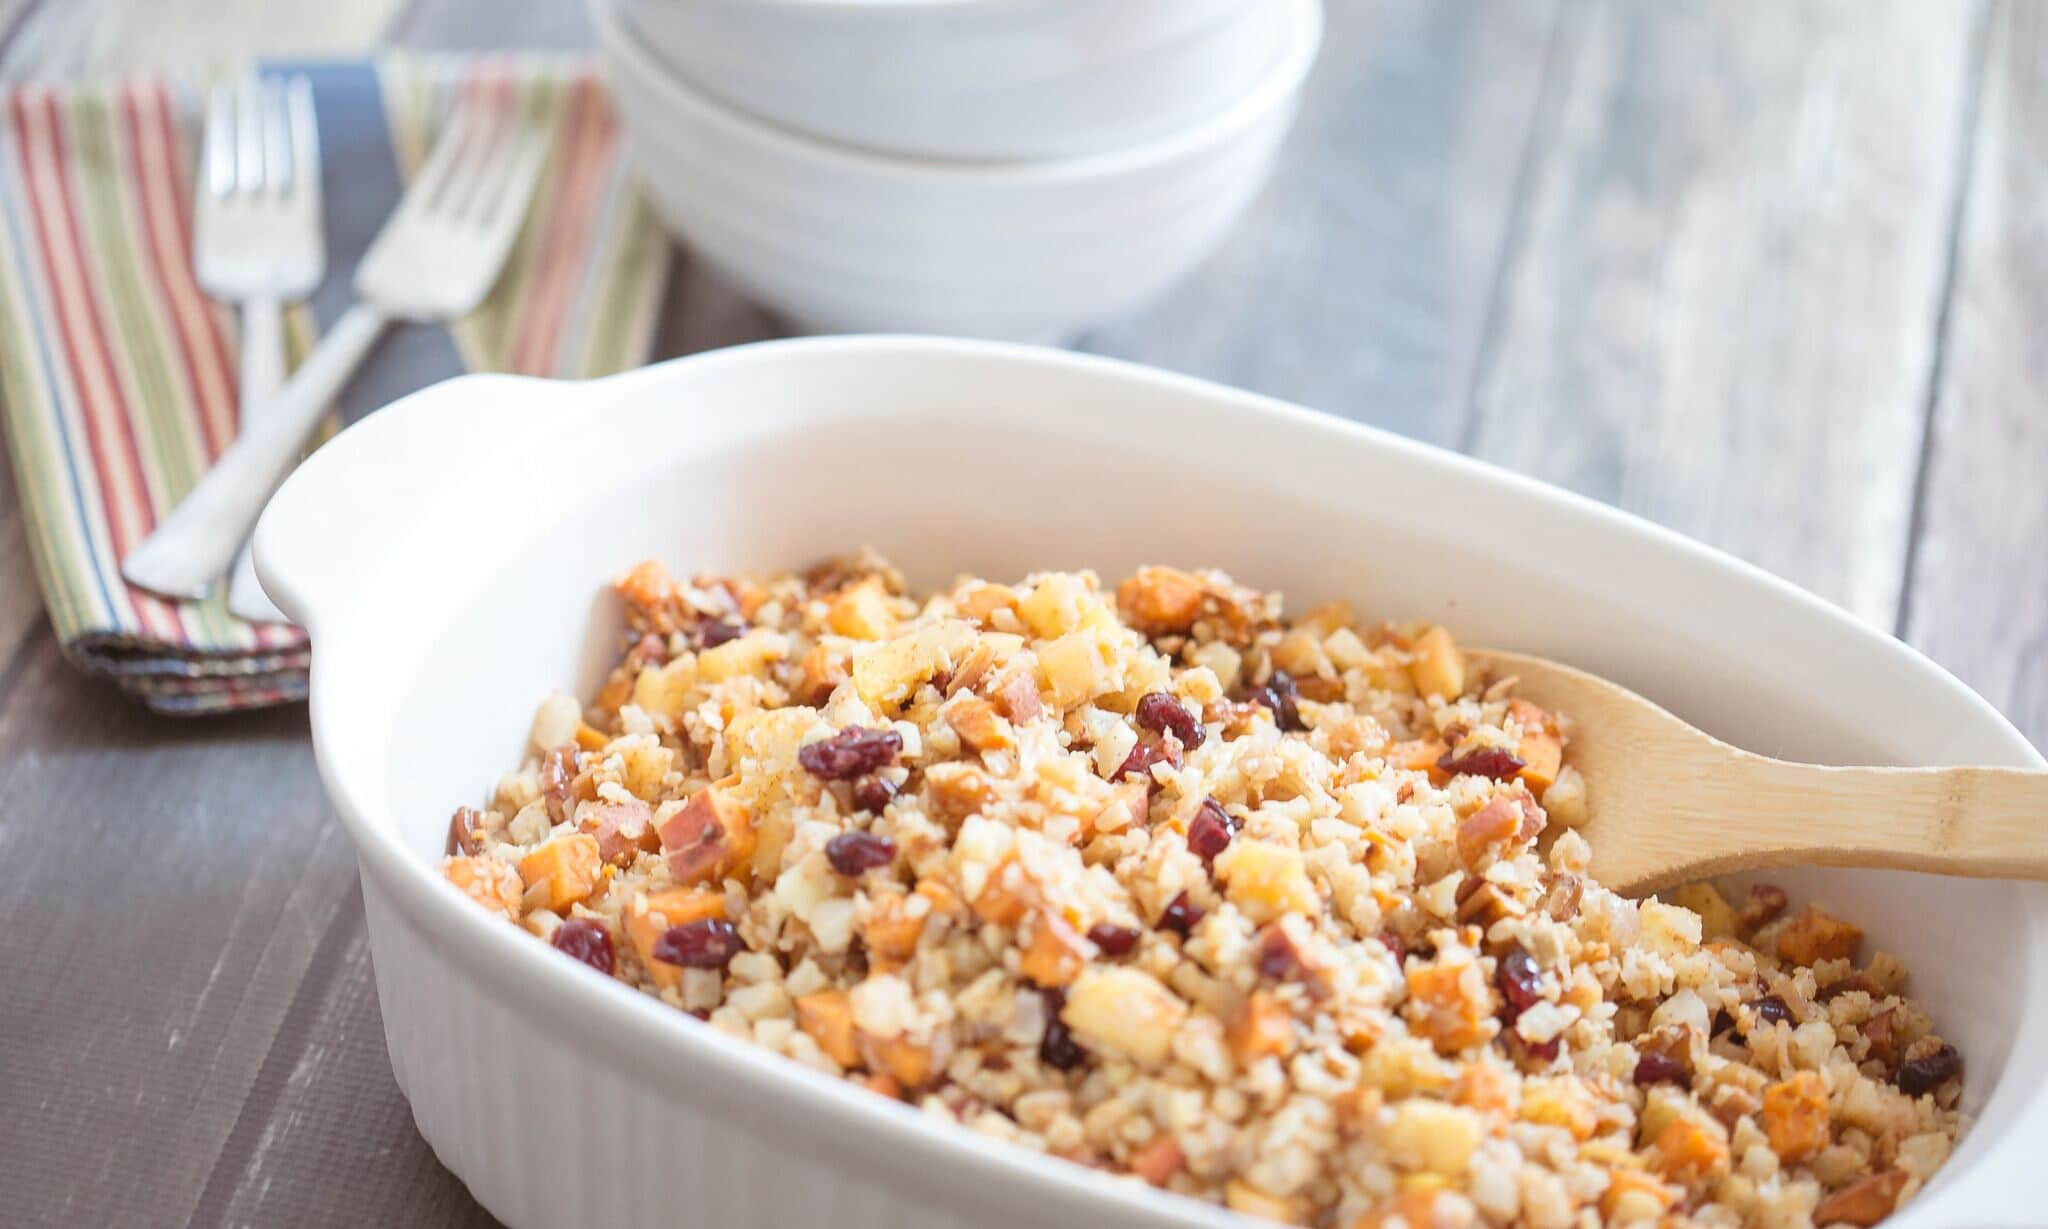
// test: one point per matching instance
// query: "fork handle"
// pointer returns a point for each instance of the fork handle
(195, 545)
(262, 374)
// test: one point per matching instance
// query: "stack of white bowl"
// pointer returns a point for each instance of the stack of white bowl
(998, 168)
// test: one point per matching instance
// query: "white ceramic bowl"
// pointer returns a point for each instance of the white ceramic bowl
(973, 79)
(846, 241)
(451, 557)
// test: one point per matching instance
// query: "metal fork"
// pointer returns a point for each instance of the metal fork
(256, 239)
(436, 257)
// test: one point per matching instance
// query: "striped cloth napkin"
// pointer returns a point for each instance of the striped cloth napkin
(117, 375)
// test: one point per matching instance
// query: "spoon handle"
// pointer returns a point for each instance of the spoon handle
(1980, 822)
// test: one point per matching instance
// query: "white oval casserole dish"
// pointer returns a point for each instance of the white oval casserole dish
(451, 556)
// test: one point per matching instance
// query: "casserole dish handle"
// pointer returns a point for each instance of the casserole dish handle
(328, 524)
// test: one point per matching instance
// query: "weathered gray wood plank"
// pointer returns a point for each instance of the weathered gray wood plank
(1722, 314)
(1979, 596)
(1359, 281)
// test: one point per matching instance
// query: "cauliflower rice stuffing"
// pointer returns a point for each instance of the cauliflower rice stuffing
(1284, 914)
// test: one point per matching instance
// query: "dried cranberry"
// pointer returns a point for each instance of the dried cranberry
(1160, 713)
(1275, 956)
(1280, 695)
(851, 752)
(1058, 1047)
(1113, 940)
(1497, 762)
(1722, 1022)
(1770, 1009)
(873, 793)
(1181, 916)
(1521, 981)
(713, 632)
(1396, 945)
(586, 941)
(1543, 1051)
(1209, 832)
(707, 944)
(1918, 1076)
(1139, 763)
(855, 853)
(1655, 1068)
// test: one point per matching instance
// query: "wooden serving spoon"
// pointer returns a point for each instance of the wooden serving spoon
(1667, 803)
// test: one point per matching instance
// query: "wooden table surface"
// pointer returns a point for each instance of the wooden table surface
(1774, 274)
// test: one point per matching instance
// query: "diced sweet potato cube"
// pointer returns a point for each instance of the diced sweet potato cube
(1690, 1151)
(1488, 832)
(1448, 1002)
(488, 882)
(1266, 880)
(1814, 936)
(957, 790)
(910, 1062)
(978, 724)
(1632, 1195)
(1006, 896)
(648, 919)
(825, 666)
(1865, 1201)
(1056, 954)
(710, 838)
(1158, 1159)
(828, 1019)
(890, 932)
(1158, 601)
(648, 591)
(1411, 1209)
(1417, 755)
(861, 611)
(980, 602)
(882, 1084)
(1114, 1009)
(1261, 1027)
(568, 865)
(1487, 1089)
(1541, 749)
(1795, 1116)
(1438, 668)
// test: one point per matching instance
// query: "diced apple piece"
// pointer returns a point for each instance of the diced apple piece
(1265, 880)
(1541, 750)
(1633, 1196)
(1241, 1196)
(568, 865)
(488, 882)
(710, 838)
(1717, 916)
(1075, 667)
(1124, 1011)
(1440, 1137)
(1438, 668)
(749, 655)
(886, 674)
(663, 691)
